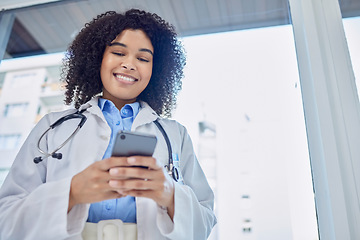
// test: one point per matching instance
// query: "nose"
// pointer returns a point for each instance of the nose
(128, 65)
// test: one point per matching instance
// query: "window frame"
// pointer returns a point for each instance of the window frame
(6, 24)
(332, 115)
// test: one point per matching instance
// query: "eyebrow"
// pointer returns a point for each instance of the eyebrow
(124, 45)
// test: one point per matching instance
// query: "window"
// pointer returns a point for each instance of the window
(9, 142)
(352, 31)
(246, 228)
(246, 84)
(22, 80)
(3, 173)
(15, 109)
(331, 107)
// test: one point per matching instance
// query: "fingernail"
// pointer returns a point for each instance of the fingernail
(112, 183)
(131, 160)
(113, 171)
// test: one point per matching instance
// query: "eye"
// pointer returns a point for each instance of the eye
(118, 54)
(143, 59)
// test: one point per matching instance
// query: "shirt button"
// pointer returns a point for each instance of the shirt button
(118, 123)
(125, 111)
(108, 207)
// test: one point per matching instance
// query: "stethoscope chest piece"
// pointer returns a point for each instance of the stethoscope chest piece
(173, 171)
(175, 174)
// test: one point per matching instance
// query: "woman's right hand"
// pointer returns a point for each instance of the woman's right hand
(92, 184)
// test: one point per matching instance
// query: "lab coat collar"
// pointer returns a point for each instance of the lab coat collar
(145, 115)
(89, 104)
(92, 107)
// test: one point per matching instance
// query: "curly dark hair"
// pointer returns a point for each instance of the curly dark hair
(82, 62)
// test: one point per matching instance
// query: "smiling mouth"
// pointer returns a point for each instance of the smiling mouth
(124, 78)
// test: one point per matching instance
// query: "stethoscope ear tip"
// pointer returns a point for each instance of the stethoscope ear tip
(37, 160)
(54, 155)
(57, 155)
(77, 114)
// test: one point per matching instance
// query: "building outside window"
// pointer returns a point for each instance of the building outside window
(9, 142)
(15, 109)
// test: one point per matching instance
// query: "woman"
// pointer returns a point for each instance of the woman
(123, 71)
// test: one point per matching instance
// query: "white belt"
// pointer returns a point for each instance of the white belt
(110, 230)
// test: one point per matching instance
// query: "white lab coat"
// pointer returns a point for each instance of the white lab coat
(34, 197)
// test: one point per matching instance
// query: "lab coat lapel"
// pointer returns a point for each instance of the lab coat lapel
(92, 107)
(145, 115)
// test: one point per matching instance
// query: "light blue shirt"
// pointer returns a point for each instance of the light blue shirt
(121, 208)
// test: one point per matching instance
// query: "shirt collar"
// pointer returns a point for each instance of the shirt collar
(105, 105)
(101, 103)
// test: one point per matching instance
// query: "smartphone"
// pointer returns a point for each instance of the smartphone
(133, 144)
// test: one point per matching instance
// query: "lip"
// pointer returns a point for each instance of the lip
(125, 78)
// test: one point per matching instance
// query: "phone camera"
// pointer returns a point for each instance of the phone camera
(122, 137)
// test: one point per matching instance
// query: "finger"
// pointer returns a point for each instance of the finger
(94, 175)
(132, 184)
(143, 161)
(111, 162)
(155, 195)
(114, 194)
(135, 172)
(140, 193)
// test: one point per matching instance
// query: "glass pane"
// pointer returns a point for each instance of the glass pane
(15, 110)
(350, 11)
(9, 142)
(241, 103)
(352, 31)
(246, 84)
(3, 174)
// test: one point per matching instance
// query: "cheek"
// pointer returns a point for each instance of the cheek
(102, 75)
(149, 72)
(104, 63)
(104, 68)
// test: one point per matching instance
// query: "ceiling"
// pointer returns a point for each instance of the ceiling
(50, 27)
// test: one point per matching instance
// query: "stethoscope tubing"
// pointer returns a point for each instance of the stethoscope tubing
(77, 114)
(58, 148)
(171, 169)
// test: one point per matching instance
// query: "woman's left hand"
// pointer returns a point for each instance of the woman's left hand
(151, 182)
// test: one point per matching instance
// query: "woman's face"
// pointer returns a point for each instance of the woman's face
(126, 67)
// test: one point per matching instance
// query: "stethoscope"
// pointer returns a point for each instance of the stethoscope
(171, 169)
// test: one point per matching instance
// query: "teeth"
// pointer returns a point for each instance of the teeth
(129, 79)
